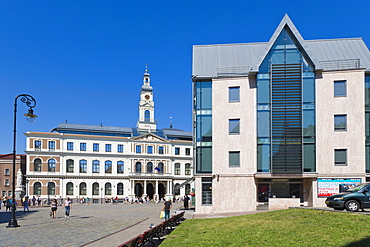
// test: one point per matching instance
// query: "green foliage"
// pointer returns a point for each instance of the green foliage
(291, 227)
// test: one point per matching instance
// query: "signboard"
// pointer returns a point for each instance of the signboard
(330, 186)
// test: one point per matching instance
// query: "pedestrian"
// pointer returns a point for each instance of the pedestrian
(33, 200)
(53, 208)
(67, 207)
(60, 201)
(8, 204)
(186, 202)
(167, 208)
(25, 204)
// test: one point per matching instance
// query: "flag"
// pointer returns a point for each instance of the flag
(157, 169)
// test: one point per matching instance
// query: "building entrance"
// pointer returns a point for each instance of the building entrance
(283, 188)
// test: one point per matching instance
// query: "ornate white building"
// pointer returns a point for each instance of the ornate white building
(92, 161)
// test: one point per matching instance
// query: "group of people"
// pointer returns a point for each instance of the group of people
(167, 206)
(7, 203)
(67, 204)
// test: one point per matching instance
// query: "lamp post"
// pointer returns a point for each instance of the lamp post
(101, 194)
(31, 103)
(27, 181)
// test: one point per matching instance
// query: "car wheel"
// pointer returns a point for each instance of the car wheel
(352, 206)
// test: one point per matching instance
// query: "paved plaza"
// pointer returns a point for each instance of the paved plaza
(87, 225)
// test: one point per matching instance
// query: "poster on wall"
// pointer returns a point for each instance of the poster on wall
(330, 186)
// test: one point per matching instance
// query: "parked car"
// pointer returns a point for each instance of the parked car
(353, 199)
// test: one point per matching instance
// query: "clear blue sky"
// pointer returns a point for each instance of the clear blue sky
(84, 60)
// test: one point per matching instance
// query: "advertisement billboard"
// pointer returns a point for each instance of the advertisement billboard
(330, 186)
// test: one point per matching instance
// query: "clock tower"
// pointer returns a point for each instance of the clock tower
(146, 120)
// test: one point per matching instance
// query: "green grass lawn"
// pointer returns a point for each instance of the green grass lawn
(291, 227)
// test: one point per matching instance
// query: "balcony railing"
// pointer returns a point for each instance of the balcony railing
(232, 71)
(149, 174)
(341, 64)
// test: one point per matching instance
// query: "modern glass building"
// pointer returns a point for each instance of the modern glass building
(284, 122)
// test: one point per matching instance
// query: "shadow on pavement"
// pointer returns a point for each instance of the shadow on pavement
(6, 216)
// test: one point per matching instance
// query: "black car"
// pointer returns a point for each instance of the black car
(353, 199)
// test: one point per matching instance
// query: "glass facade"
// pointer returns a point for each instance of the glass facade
(286, 109)
(367, 122)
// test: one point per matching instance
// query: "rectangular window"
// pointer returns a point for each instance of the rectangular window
(177, 151)
(234, 126)
(234, 159)
(187, 151)
(340, 122)
(69, 145)
(150, 149)
(340, 157)
(161, 150)
(234, 94)
(108, 147)
(340, 88)
(6, 182)
(38, 144)
(138, 149)
(207, 191)
(51, 144)
(120, 148)
(177, 169)
(7, 172)
(82, 146)
(96, 147)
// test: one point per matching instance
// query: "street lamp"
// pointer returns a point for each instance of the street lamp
(27, 181)
(31, 103)
(101, 194)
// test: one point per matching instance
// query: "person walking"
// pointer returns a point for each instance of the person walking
(167, 208)
(53, 208)
(186, 202)
(67, 207)
(26, 204)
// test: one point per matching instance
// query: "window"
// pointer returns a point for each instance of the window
(187, 151)
(149, 167)
(147, 116)
(96, 166)
(108, 147)
(187, 169)
(51, 188)
(160, 150)
(108, 166)
(95, 188)
(177, 151)
(340, 122)
(37, 188)
(70, 165)
(138, 167)
(120, 189)
(150, 149)
(7, 172)
(340, 157)
(38, 144)
(207, 191)
(160, 168)
(234, 94)
(6, 182)
(234, 159)
(138, 149)
(83, 166)
(37, 165)
(234, 126)
(51, 165)
(51, 144)
(177, 169)
(83, 191)
(69, 189)
(120, 148)
(69, 145)
(120, 167)
(340, 88)
(108, 189)
(96, 147)
(82, 146)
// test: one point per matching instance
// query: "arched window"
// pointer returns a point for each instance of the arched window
(37, 165)
(83, 166)
(120, 189)
(187, 169)
(96, 166)
(51, 188)
(147, 116)
(149, 167)
(70, 165)
(51, 165)
(108, 189)
(177, 169)
(95, 188)
(120, 167)
(138, 167)
(160, 168)
(37, 188)
(108, 166)
(83, 189)
(69, 189)
(176, 189)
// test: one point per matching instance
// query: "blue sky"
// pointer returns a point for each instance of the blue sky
(83, 61)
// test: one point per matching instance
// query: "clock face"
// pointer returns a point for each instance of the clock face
(147, 97)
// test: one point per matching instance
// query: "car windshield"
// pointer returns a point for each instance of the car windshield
(358, 187)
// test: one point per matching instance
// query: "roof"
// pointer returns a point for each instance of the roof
(211, 61)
